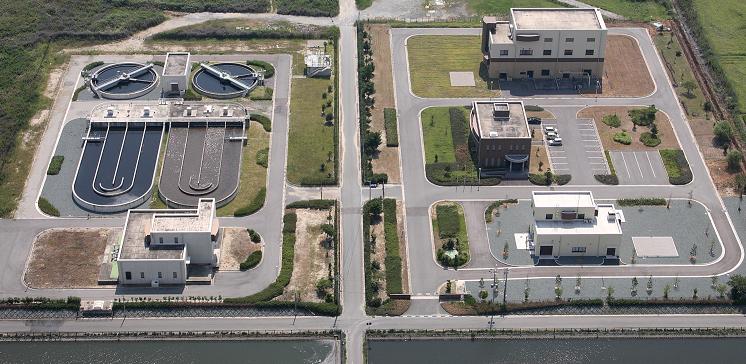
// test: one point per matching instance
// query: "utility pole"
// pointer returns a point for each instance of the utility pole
(494, 284)
(505, 287)
(479, 178)
(383, 190)
(322, 191)
(370, 191)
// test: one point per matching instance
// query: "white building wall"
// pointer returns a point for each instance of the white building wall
(181, 80)
(144, 272)
(540, 213)
(563, 244)
(199, 244)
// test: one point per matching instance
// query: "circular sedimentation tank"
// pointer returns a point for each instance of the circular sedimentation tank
(123, 81)
(225, 80)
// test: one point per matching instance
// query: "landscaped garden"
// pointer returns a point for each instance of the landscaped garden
(449, 232)
(628, 129)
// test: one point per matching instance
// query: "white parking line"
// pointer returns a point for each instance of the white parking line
(638, 165)
(651, 163)
(625, 164)
(557, 163)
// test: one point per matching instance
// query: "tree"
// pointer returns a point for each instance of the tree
(734, 159)
(689, 86)
(549, 177)
(372, 142)
(723, 132)
(483, 295)
(737, 285)
(376, 207)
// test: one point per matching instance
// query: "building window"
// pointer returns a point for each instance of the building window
(548, 217)
(527, 52)
(175, 275)
(547, 52)
(503, 52)
(160, 240)
(569, 40)
(160, 275)
(548, 40)
(578, 249)
(589, 52)
(545, 72)
(568, 52)
(128, 275)
(142, 275)
(591, 40)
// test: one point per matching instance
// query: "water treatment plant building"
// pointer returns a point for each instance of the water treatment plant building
(545, 43)
(502, 137)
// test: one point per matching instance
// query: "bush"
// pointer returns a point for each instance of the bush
(449, 220)
(323, 285)
(78, 91)
(254, 236)
(55, 165)
(623, 137)
(612, 120)
(255, 205)
(262, 157)
(312, 204)
(46, 207)
(723, 133)
(546, 179)
(490, 211)
(269, 69)
(289, 222)
(191, 95)
(677, 166)
(649, 139)
(533, 108)
(644, 116)
(734, 158)
(263, 120)
(252, 260)
(607, 179)
(643, 201)
(562, 179)
(390, 124)
(393, 258)
(328, 8)
(92, 65)
(737, 285)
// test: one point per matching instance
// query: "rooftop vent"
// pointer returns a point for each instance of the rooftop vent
(110, 112)
(500, 110)
(612, 215)
(146, 112)
(493, 134)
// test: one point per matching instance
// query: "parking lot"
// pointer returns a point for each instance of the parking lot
(581, 153)
(639, 168)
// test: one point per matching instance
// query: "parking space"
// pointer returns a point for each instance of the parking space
(639, 168)
(581, 153)
(592, 147)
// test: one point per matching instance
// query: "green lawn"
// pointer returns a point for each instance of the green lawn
(253, 176)
(450, 223)
(436, 134)
(502, 7)
(723, 25)
(310, 142)
(645, 10)
(456, 53)
(668, 46)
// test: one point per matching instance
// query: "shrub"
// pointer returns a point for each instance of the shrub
(252, 260)
(562, 179)
(393, 258)
(328, 8)
(289, 222)
(190, 95)
(254, 236)
(623, 138)
(268, 68)
(449, 221)
(612, 120)
(490, 211)
(546, 179)
(262, 157)
(677, 166)
(323, 285)
(644, 116)
(55, 165)
(723, 132)
(46, 207)
(312, 204)
(734, 158)
(607, 179)
(649, 139)
(254, 206)
(78, 91)
(263, 120)
(737, 285)
(390, 124)
(533, 108)
(642, 201)
(92, 65)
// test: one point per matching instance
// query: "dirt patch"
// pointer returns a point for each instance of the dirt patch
(402, 246)
(539, 159)
(625, 71)
(68, 258)
(312, 258)
(235, 247)
(665, 131)
(387, 160)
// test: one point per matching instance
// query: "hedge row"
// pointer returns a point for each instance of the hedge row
(217, 30)
(327, 8)
(393, 262)
(643, 201)
(312, 204)
(254, 206)
(269, 69)
(490, 212)
(486, 308)
(369, 140)
(71, 302)
(607, 179)
(626, 302)
(390, 124)
(46, 207)
(263, 120)
(252, 260)
(677, 166)
(440, 174)
(55, 165)
(370, 300)
(541, 179)
(286, 270)
(325, 309)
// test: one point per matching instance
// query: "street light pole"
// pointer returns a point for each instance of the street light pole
(505, 287)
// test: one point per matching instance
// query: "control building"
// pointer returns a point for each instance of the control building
(501, 136)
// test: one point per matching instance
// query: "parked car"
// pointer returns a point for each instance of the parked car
(534, 120)
(550, 129)
(555, 142)
(551, 135)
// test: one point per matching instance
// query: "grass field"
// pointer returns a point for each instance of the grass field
(669, 47)
(502, 7)
(724, 29)
(436, 133)
(253, 176)
(448, 223)
(645, 10)
(311, 142)
(457, 53)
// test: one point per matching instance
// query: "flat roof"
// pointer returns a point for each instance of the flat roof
(176, 64)
(133, 243)
(492, 127)
(601, 225)
(500, 36)
(199, 219)
(557, 19)
(563, 199)
(135, 112)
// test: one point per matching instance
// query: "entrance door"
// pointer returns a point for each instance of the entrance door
(610, 252)
(530, 74)
(175, 88)
(546, 250)
(503, 76)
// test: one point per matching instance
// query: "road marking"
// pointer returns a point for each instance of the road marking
(638, 165)
(651, 164)
(556, 163)
(625, 164)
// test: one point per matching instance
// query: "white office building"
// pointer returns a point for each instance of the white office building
(573, 224)
(175, 77)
